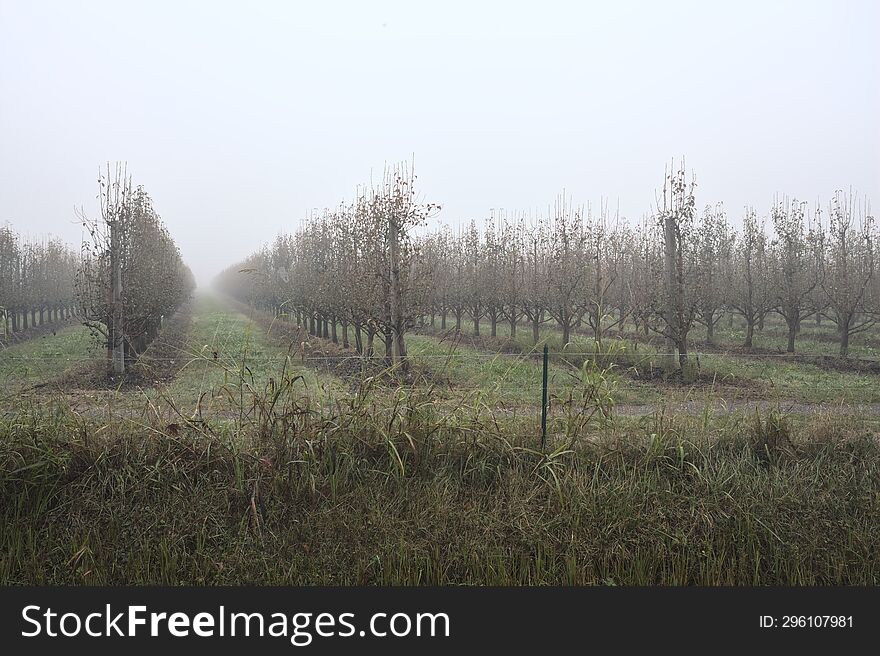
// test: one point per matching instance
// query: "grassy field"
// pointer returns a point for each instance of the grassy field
(38, 360)
(812, 339)
(726, 372)
(242, 451)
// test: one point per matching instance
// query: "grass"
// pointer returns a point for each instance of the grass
(39, 359)
(799, 381)
(222, 341)
(368, 495)
(249, 465)
(731, 376)
(813, 340)
(508, 378)
(180, 376)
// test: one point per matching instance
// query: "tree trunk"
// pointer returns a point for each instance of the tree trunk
(389, 346)
(513, 327)
(476, 325)
(397, 319)
(673, 329)
(443, 320)
(345, 334)
(687, 372)
(118, 338)
(371, 335)
(536, 327)
(844, 335)
(750, 332)
(792, 333)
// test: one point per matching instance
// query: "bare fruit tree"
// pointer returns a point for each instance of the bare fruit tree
(792, 269)
(131, 274)
(678, 304)
(714, 250)
(750, 292)
(848, 263)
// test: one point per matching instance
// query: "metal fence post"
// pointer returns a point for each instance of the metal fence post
(544, 400)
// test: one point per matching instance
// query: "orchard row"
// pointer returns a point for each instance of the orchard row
(363, 266)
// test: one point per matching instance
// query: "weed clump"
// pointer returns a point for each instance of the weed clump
(771, 438)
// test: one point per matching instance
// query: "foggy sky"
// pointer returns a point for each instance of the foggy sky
(239, 118)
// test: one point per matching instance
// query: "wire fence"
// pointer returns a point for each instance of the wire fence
(468, 369)
(531, 392)
(635, 355)
(635, 375)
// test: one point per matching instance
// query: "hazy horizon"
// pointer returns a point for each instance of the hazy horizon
(240, 120)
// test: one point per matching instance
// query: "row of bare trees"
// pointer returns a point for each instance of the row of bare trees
(131, 275)
(36, 281)
(350, 274)
(579, 267)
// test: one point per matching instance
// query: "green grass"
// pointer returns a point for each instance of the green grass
(243, 353)
(201, 383)
(40, 359)
(812, 340)
(798, 381)
(469, 375)
(512, 378)
(773, 378)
